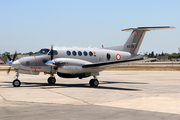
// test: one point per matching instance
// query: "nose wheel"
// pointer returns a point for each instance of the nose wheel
(16, 83)
(94, 82)
(51, 80)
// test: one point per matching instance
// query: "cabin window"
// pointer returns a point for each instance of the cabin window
(85, 53)
(68, 53)
(108, 56)
(90, 53)
(74, 53)
(79, 53)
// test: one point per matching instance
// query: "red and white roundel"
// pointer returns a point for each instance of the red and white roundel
(118, 56)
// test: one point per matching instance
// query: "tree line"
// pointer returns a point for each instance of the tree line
(8, 53)
(153, 55)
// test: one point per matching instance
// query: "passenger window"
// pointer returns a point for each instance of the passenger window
(79, 53)
(85, 53)
(90, 53)
(108, 56)
(68, 53)
(74, 53)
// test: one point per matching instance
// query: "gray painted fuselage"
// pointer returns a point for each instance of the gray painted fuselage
(73, 63)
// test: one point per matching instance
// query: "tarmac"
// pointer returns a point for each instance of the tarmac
(125, 95)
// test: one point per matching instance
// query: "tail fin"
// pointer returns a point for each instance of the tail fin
(133, 43)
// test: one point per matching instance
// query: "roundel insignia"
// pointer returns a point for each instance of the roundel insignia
(118, 56)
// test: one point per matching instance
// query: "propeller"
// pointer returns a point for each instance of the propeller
(11, 60)
(54, 65)
(8, 57)
(52, 52)
(52, 56)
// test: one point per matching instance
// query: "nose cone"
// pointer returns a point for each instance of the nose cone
(16, 64)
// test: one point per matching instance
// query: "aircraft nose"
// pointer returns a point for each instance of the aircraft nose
(16, 64)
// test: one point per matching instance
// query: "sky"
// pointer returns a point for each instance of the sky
(29, 25)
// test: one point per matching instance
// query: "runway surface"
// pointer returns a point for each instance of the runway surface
(120, 95)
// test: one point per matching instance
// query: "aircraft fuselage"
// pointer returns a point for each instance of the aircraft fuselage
(73, 59)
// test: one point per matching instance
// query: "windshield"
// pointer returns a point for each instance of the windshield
(43, 52)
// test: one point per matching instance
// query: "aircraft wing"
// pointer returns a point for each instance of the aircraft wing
(109, 64)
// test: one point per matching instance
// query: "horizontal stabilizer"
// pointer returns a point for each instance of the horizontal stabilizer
(149, 28)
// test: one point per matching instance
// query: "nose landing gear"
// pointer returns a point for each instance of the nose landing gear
(16, 82)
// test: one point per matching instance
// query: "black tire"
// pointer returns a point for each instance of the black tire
(51, 80)
(94, 82)
(16, 83)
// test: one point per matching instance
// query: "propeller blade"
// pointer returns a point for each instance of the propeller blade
(14, 57)
(11, 60)
(52, 53)
(9, 57)
(9, 70)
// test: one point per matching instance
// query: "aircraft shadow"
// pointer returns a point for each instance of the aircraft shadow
(108, 82)
(32, 84)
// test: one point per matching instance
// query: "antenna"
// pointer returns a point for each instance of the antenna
(89, 46)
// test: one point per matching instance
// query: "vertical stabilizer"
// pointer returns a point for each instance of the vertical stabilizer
(134, 41)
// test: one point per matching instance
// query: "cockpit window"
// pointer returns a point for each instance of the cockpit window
(54, 52)
(43, 51)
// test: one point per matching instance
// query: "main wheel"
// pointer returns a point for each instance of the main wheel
(94, 82)
(51, 80)
(16, 83)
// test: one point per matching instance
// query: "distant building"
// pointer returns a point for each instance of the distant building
(162, 58)
(3, 58)
(175, 59)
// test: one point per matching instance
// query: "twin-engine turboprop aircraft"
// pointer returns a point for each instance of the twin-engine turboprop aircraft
(80, 62)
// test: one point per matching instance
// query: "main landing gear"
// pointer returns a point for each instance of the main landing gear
(94, 82)
(16, 82)
(51, 80)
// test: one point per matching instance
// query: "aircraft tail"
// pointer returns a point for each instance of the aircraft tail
(134, 41)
